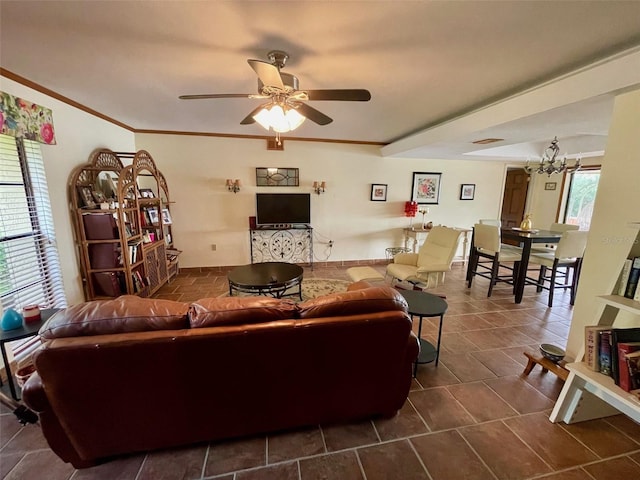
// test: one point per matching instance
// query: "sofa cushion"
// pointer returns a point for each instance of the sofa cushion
(128, 313)
(214, 312)
(353, 302)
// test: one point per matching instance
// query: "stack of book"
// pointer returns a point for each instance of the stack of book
(629, 279)
(615, 352)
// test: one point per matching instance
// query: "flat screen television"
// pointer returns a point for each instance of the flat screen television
(283, 208)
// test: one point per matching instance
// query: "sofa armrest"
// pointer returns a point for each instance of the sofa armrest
(33, 394)
(406, 258)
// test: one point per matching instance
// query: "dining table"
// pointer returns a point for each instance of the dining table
(525, 239)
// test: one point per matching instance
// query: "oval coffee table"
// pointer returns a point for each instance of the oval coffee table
(423, 304)
(268, 278)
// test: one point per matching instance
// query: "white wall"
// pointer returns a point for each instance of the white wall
(205, 213)
(543, 204)
(617, 204)
(77, 134)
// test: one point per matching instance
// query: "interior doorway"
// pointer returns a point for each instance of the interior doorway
(514, 198)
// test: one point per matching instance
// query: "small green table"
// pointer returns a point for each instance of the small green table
(423, 304)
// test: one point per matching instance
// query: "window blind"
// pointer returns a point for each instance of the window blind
(29, 264)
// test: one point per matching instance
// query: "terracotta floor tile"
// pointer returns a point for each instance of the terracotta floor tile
(519, 394)
(455, 343)
(447, 456)
(499, 448)
(9, 426)
(626, 425)
(542, 335)
(481, 402)
(601, 438)
(395, 460)
(7, 462)
(545, 382)
(573, 474)
(406, 423)
(34, 464)
(614, 469)
(235, 455)
(550, 441)
(28, 439)
(282, 471)
(517, 353)
(120, 469)
(297, 443)
(335, 466)
(429, 375)
(439, 409)
(497, 338)
(498, 362)
(466, 367)
(182, 463)
(340, 437)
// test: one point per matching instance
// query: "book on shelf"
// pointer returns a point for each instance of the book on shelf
(604, 356)
(633, 365)
(624, 276)
(592, 346)
(624, 350)
(634, 278)
(618, 336)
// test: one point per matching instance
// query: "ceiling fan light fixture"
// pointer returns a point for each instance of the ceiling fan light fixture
(279, 118)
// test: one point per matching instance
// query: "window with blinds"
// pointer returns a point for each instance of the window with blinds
(29, 264)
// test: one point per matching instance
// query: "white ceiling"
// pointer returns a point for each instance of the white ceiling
(438, 71)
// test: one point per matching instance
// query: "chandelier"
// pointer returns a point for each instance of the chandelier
(550, 163)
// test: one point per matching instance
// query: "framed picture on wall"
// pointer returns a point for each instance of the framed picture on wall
(86, 196)
(426, 187)
(378, 192)
(467, 191)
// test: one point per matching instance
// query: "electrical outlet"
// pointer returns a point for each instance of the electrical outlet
(213, 247)
(331, 243)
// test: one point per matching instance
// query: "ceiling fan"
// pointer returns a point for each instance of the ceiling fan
(285, 97)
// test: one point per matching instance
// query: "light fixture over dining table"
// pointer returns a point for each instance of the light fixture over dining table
(550, 163)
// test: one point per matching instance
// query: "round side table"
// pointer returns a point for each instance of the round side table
(421, 305)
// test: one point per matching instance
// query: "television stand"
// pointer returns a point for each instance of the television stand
(291, 243)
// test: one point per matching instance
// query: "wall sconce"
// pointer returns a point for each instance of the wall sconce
(319, 187)
(233, 185)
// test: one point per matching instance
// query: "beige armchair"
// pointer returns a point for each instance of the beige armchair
(429, 265)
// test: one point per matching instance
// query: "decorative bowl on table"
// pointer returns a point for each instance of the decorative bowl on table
(553, 353)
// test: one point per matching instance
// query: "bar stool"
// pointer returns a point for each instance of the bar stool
(568, 254)
(486, 244)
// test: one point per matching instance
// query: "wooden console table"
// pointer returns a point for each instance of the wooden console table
(417, 235)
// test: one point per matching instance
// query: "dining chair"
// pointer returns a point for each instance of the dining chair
(550, 248)
(487, 245)
(568, 253)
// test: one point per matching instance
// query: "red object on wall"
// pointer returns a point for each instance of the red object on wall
(252, 222)
(410, 209)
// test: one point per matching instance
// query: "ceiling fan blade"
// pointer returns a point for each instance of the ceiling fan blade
(248, 120)
(269, 74)
(216, 95)
(312, 114)
(348, 95)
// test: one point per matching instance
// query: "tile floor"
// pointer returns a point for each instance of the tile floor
(472, 417)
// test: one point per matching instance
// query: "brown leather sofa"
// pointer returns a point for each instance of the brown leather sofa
(132, 374)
